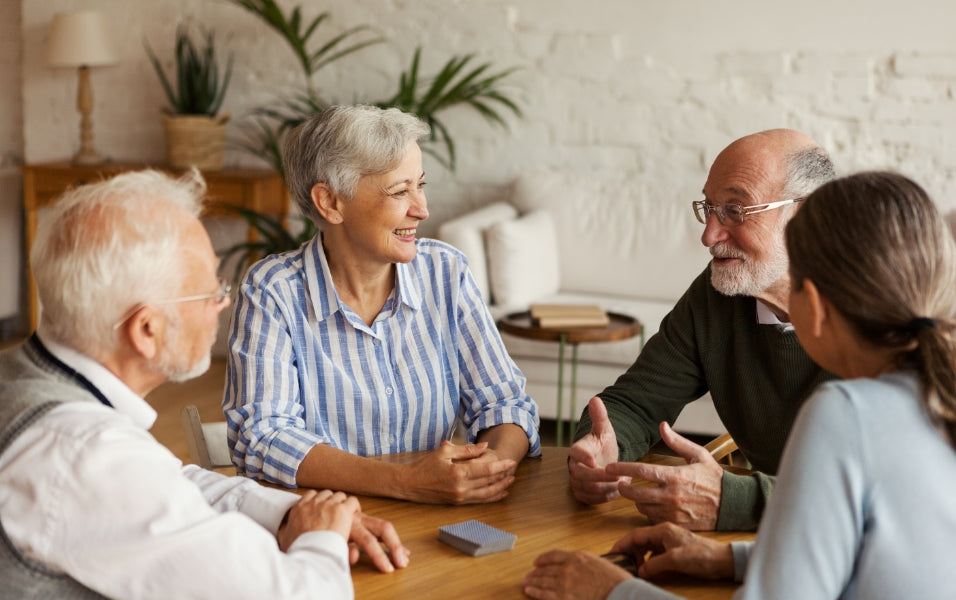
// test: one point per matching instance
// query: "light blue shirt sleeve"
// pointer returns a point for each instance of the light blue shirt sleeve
(741, 552)
(639, 589)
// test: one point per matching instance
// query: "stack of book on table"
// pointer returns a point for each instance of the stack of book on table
(568, 315)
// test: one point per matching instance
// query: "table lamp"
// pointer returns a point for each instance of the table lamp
(79, 39)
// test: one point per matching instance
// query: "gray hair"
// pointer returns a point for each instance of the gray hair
(105, 247)
(342, 144)
(807, 169)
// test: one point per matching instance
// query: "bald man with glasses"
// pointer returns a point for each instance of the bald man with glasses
(728, 335)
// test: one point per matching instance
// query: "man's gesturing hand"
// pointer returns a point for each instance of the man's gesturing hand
(686, 495)
(589, 456)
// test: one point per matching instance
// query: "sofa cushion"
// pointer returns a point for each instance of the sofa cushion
(467, 234)
(522, 259)
(618, 236)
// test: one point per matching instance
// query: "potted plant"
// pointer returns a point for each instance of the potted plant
(195, 130)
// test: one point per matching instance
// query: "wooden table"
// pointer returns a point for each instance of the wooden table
(540, 510)
(261, 190)
(620, 327)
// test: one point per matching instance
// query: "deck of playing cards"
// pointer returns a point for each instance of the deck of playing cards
(476, 538)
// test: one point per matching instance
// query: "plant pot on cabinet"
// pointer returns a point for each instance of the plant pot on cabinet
(196, 140)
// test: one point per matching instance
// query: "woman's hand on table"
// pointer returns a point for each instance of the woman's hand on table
(669, 548)
(562, 575)
(453, 474)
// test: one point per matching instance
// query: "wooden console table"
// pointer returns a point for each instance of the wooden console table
(261, 190)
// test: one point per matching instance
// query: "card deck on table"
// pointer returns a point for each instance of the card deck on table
(476, 538)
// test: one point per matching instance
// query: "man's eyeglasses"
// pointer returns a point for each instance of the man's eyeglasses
(219, 296)
(734, 214)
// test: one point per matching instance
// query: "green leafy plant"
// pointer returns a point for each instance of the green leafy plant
(459, 82)
(456, 83)
(452, 85)
(199, 89)
(299, 35)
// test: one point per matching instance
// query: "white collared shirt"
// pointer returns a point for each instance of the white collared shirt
(765, 316)
(120, 396)
(86, 490)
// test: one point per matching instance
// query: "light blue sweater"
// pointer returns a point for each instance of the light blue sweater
(864, 506)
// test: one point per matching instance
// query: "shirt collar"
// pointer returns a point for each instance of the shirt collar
(765, 316)
(408, 293)
(123, 399)
(325, 300)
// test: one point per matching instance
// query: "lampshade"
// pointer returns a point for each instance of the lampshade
(80, 39)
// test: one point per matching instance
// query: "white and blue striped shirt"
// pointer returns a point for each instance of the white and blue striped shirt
(304, 369)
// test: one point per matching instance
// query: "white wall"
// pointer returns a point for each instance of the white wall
(649, 88)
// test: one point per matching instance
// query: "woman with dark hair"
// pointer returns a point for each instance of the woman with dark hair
(863, 506)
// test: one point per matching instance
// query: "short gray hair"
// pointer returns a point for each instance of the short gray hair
(807, 169)
(342, 144)
(105, 247)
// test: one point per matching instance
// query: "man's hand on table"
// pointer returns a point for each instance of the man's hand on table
(688, 495)
(674, 549)
(335, 511)
(318, 511)
(368, 534)
(588, 458)
(453, 474)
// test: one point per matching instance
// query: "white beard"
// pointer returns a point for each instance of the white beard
(747, 278)
(172, 364)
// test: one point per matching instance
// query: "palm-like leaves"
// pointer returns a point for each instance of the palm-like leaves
(199, 89)
(298, 34)
(457, 83)
(452, 86)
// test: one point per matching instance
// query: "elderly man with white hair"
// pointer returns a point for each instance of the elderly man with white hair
(90, 504)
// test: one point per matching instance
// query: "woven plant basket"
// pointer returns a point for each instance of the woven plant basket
(196, 140)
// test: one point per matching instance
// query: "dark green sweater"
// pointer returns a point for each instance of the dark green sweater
(757, 375)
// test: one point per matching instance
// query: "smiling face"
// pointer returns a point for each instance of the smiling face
(749, 259)
(381, 220)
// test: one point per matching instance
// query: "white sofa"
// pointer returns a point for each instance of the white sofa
(584, 239)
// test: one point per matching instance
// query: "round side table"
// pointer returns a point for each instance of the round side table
(620, 327)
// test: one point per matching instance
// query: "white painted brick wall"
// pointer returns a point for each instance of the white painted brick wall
(646, 88)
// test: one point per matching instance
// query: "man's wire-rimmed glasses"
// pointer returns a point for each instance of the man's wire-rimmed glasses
(734, 214)
(219, 296)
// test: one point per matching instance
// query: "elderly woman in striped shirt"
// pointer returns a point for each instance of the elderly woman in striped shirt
(368, 340)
